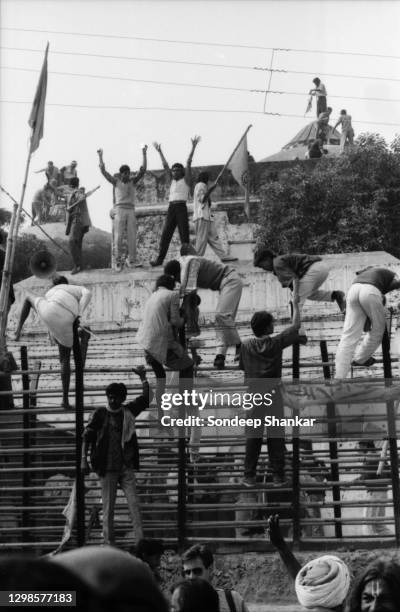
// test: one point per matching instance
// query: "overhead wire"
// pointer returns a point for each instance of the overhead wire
(196, 85)
(199, 43)
(201, 64)
(183, 109)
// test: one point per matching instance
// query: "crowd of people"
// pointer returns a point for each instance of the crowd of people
(105, 579)
(323, 131)
(171, 316)
(62, 188)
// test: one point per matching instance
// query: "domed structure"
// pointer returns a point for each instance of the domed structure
(96, 245)
(297, 147)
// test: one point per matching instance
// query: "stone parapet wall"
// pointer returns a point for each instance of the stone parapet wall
(232, 225)
(154, 188)
(120, 298)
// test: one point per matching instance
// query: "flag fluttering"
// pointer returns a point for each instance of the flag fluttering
(309, 105)
(239, 166)
(36, 118)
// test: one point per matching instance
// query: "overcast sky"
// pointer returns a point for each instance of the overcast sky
(233, 29)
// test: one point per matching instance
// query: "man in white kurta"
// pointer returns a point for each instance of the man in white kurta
(59, 310)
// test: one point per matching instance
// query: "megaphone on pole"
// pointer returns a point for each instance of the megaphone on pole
(42, 264)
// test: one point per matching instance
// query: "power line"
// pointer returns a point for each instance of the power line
(329, 74)
(151, 108)
(149, 81)
(200, 43)
(198, 85)
(181, 109)
(138, 59)
(203, 64)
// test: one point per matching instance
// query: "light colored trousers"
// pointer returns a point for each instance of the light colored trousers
(362, 301)
(230, 293)
(371, 526)
(125, 221)
(206, 233)
(347, 135)
(109, 484)
(309, 283)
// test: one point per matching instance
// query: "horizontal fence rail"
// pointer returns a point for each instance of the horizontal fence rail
(332, 491)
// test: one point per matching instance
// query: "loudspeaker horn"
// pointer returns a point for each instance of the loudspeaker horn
(42, 264)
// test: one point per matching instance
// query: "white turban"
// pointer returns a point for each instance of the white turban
(324, 582)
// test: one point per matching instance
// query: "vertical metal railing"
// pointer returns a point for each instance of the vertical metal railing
(26, 444)
(296, 456)
(79, 425)
(333, 448)
(393, 450)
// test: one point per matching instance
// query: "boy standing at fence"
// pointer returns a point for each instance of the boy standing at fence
(114, 452)
(261, 360)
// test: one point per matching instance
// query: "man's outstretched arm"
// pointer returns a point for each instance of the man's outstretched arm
(103, 170)
(158, 148)
(275, 535)
(143, 167)
(188, 170)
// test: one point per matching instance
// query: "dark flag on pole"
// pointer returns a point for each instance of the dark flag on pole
(238, 165)
(36, 118)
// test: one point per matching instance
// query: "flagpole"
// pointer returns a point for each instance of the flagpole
(233, 153)
(9, 261)
(36, 123)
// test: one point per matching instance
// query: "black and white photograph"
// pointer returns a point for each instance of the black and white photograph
(200, 305)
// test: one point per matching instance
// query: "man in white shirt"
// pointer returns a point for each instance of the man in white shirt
(59, 310)
(205, 228)
(124, 219)
(177, 215)
(320, 92)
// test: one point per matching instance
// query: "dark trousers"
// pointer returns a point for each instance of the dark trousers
(275, 439)
(177, 215)
(185, 377)
(321, 105)
(75, 242)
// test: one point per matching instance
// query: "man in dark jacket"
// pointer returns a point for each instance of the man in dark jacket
(78, 222)
(114, 453)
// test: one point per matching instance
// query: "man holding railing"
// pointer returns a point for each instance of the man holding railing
(114, 452)
(364, 308)
(59, 310)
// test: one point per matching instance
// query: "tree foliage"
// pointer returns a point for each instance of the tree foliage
(5, 216)
(345, 204)
(27, 245)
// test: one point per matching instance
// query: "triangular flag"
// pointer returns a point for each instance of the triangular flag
(36, 118)
(239, 167)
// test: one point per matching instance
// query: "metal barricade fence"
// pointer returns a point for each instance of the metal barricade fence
(323, 503)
